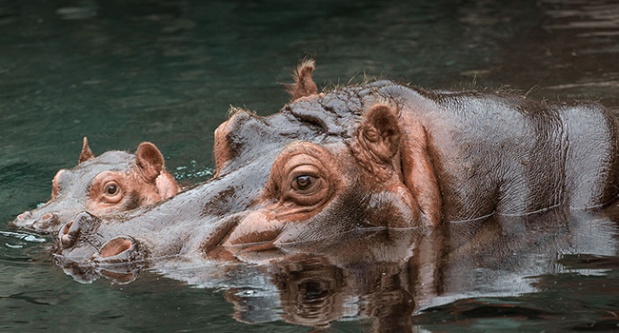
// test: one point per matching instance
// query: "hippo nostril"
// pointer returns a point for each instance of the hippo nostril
(47, 221)
(24, 215)
(66, 239)
(122, 249)
(116, 246)
(84, 223)
(66, 228)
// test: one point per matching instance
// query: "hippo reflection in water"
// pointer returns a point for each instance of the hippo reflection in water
(114, 181)
(395, 279)
(376, 155)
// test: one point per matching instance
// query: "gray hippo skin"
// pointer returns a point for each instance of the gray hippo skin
(377, 155)
(114, 181)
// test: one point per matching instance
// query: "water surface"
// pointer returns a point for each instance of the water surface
(122, 72)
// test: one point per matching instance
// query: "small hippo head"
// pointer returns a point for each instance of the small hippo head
(112, 182)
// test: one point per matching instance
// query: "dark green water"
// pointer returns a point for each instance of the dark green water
(122, 72)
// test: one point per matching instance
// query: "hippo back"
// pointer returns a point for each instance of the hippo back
(495, 153)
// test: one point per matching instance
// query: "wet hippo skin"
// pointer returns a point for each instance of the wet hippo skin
(113, 182)
(375, 155)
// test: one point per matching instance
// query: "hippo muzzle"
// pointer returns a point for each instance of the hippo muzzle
(41, 221)
(85, 255)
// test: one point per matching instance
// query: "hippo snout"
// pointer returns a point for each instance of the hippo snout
(79, 240)
(23, 216)
(23, 220)
(86, 254)
(120, 260)
(42, 223)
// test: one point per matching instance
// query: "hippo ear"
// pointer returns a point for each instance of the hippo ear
(406, 150)
(304, 84)
(166, 185)
(379, 133)
(149, 160)
(86, 153)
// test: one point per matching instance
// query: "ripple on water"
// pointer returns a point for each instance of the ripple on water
(21, 247)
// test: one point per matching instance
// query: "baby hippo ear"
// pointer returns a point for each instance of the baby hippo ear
(149, 160)
(379, 134)
(86, 153)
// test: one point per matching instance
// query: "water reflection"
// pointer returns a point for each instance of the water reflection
(84, 10)
(395, 279)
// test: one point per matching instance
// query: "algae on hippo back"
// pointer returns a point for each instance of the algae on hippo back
(113, 182)
(378, 155)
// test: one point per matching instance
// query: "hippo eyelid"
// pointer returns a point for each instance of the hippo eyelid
(305, 170)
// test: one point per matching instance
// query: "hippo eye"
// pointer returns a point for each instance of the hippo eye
(304, 182)
(306, 189)
(112, 192)
(111, 189)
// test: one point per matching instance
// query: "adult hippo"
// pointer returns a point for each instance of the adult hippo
(114, 181)
(376, 155)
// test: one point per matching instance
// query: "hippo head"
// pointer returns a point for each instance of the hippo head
(112, 182)
(326, 164)
(317, 190)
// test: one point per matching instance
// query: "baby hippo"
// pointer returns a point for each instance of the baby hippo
(112, 182)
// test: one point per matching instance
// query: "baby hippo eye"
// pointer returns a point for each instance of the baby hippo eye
(112, 192)
(111, 189)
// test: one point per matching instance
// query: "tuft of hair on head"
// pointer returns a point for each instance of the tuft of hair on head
(303, 83)
(234, 110)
